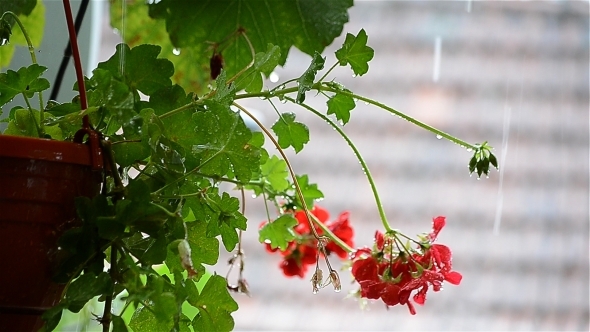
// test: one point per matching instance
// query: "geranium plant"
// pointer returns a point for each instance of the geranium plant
(168, 109)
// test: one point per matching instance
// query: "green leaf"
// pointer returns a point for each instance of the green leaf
(193, 26)
(356, 53)
(118, 324)
(341, 105)
(310, 191)
(222, 143)
(23, 124)
(32, 15)
(144, 320)
(279, 232)
(264, 63)
(204, 249)
(306, 80)
(52, 316)
(274, 170)
(228, 221)
(142, 70)
(225, 92)
(290, 132)
(215, 307)
(85, 288)
(26, 80)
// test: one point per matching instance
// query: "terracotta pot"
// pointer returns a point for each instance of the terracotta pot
(39, 180)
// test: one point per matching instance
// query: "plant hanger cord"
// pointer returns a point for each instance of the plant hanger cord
(68, 51)
(77, 61)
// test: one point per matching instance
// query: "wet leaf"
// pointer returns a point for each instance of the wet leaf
(274, 170)
(356, 53)
(290, 132)
(142, 69)
(278, 232)
(26, 80)
(306, 80)
(222, 143)
(341, 105)
(215, 307)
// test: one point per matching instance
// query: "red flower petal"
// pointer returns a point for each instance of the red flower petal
(437, 224)
(420, 297)
(371, 289)
(379, 240)
(365, 269)
(292, 268)
(453, 277)
(390, 294)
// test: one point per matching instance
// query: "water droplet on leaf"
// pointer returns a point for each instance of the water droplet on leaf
(176, 51)
(438, 136)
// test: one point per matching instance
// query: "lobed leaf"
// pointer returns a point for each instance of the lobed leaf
(290, 132)
(356, 53)
(341, 105)
(279, 232)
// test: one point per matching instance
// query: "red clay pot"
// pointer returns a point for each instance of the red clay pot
(39, 180)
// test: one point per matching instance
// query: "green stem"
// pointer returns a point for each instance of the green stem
(323, 87)
(40, 127)
(401, 115)
(328, 72)
(289, 167)
(39, 132)
(360, 159)
(178, 110)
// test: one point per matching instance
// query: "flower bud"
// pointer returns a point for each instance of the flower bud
(316, 280)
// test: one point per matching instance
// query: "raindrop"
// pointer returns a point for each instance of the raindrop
(353, 75)
(283, 101)
(3, 41)
(273, 77)
(438, 136)
(366, 103)
(176, 51)
(469, 149)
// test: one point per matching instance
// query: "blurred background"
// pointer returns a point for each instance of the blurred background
(514, 73)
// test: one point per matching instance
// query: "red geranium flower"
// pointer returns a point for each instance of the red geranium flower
(392, 275)
(303, 251)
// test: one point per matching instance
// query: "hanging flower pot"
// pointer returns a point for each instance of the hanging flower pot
(39, 180)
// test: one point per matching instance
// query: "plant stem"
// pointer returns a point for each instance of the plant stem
(328, 72)
(108, 302)
(289, 167)
(400, 114)
(40, 128)
(323, 87)
(177, 110)
(358, 157)
(39, 132)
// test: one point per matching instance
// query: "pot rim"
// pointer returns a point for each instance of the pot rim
(44, 149)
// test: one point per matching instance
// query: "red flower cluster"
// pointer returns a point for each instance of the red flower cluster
(391, 272)
(303, 251)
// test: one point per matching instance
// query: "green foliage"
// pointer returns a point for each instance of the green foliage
(32, 15)
(222, 141)
(215, 306)
(26, 81)
(291, 132)
(341, 105)
(141, 69)
(356, 53)
(199, 29)
(275, 173)
(306, 80)
(278, 232)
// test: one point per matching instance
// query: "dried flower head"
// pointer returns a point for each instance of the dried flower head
(316, 280)
(335, 280)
